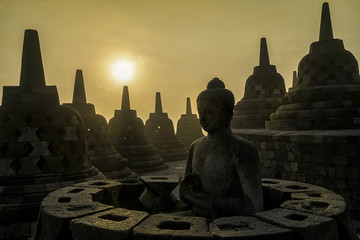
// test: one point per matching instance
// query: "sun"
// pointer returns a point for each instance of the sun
(123, 70)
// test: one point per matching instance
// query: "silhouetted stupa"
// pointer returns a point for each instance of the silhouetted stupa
(159, 130)
(262, 92)
(101, 153)
(188, 127)
(127, 134)
(327, 92)
(42, 144)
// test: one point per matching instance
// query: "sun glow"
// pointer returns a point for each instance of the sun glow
(123, 70)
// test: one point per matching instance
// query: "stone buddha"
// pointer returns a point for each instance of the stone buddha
(222, 176)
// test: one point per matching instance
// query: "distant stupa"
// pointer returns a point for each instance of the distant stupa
(127, 134)
(327, 90)
(262, 92)
(188, 127)
(42, 144)
(101, 153)
(159, 130)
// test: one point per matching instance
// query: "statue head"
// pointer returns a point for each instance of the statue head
(215, 106)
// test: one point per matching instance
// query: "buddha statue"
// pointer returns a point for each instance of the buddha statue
(222, 176)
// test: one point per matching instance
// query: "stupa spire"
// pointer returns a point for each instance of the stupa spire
(264, 55)
(295, 79)
(188, 106)
(32, 72)
(158, 105)
(79, 96)
(125, 103)
(326, 32)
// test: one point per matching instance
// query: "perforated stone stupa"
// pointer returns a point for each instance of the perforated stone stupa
(42, 144)
(327, 91)
(159, 130)
(262, 92)
(188, 127)
(126, 132)
(101, 152)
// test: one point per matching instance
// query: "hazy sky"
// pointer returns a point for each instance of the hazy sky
(178, 46)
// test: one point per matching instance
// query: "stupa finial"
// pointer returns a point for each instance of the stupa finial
(32, 72)
(264, 55)
(158, 105)
(295, 79)
(326, 32)
(125, 103)
(79, 96)
(188, 106)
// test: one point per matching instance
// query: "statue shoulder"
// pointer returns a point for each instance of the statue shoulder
(244, 148)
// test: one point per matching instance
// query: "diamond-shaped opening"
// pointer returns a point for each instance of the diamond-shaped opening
(41, 163)
(113, 217)
(76, 190)
(5, 120)
(40, 133)
(64, 200)
(28, 148)
(4, 148)
(296, 187)
(15, 165)
(16, 133)
(49, 119)
(28, 119)
(175, 225)
(296, 217)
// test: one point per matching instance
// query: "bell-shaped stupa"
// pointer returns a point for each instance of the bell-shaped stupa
(262, 92)
(327, 90)
(42, 144)
(127, 135)
(101, 152)
(159, 130)
(188, 127)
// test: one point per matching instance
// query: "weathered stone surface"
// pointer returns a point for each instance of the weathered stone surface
(242, 227)
(127, 135)
(188, 127)
(263, 90)
(111, 190)
(101, 153)
(305, 226)
(162, 184)
(164, 227)
(108, 225)
(159, 130)
(130, 193)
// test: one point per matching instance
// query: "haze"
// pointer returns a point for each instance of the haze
(178, 46)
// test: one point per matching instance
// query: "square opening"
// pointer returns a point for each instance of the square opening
(175, 225)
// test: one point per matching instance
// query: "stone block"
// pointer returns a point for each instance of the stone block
(242, 227)
(165, 227)
(108, 225)
(305, 226)
(130, 193)
(111, 190)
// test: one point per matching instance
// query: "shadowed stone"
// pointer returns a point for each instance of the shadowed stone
(101, 152)
(164, 227)
(188, 127)
(263, 90)
(241, 227)
(327, 92)
(112, 224)
(127, 134)
(45, 142)
(159, 130)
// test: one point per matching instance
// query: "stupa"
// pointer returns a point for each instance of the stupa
(159, 130)
(127, 135)
(327, 91)
(101, 152)
(262, 92)
(42, 144)
(188, 127)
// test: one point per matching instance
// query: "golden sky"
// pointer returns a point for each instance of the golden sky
(178, 46)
